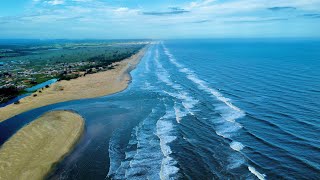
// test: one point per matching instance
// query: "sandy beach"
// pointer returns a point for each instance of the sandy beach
(89, 86)
(34, 149)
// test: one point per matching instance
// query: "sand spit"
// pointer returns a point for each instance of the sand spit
(34, 149)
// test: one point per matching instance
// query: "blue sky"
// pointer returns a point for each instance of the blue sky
(78, 19)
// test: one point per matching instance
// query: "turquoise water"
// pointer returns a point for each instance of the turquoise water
(41, 85)
(11, 101)
(31, 89)
(203, 109)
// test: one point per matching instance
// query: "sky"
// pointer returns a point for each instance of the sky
(158, 19)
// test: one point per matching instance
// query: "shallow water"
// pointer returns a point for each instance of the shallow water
(41, 85)
(203, 109)
(29, 90)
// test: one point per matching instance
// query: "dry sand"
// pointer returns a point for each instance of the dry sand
(34, 149)
(90, 86)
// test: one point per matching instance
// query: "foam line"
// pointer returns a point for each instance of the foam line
(165, 134)
(225, 128)
(256, 173)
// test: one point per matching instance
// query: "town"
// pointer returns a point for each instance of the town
(24, 67)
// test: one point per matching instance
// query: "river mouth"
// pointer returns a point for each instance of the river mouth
(201, 115)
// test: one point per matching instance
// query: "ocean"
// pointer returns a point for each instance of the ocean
(203, 109)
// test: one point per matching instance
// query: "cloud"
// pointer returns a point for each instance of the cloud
(55, 2)
(91, 18)
(311, 15)
(259, 20)
(200, 21)
(70, 18)
(82, 0)
(121, 9)
(172, 11)
(282, 8)
(202, 3)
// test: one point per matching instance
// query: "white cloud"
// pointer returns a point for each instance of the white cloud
(212, 16)
(82, 0)
(201, 3)
(55, 2)
(125, 11)
(238, 6)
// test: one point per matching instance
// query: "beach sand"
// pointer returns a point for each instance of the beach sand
(34, 149)
(89, 86)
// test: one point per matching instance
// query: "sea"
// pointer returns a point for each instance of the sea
(202, 109)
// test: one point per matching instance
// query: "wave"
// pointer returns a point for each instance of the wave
(143, 155)
(237, 146)
(148, 153)
(179, 113)
(202, 85)
(226, 126)
(165, 130)
(235, 161)
(226, 114)
(115, 153)
(187, 101)
(146, 63)
(256, 173)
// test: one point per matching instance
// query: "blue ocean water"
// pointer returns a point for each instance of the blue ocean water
(203, 109)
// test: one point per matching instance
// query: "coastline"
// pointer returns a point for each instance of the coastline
(90, 86)
(51, 137)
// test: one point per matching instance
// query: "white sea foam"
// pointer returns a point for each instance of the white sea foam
(256, 173)
(168, 168)
(143, 155)
(162, 74)
(147, 86)
(235, 161)
(187, 101)
(227, 129)
(228, 112)
(237, 146)
(178, 113)
(165, 133)
(227, 126)
(147, 61)
(201, 84)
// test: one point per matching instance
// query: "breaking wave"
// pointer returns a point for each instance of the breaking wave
(226, 126)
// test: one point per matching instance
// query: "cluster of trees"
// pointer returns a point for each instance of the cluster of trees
(4, 74)
(103, 60)
(7, 93)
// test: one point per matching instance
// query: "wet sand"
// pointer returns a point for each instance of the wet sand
(34, 149)
(89, 86)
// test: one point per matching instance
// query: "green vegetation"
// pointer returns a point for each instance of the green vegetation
(8, 93)
(26, 65)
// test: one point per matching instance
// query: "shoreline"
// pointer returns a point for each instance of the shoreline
(51, 136)
(91, 86)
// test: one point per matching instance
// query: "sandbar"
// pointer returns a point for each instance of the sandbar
(33, 150)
